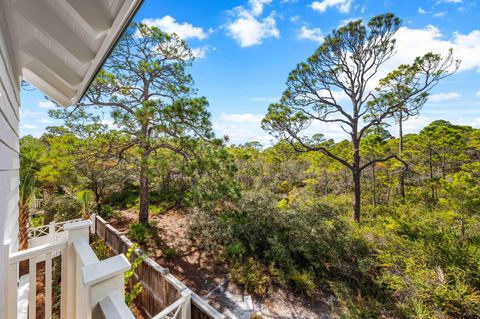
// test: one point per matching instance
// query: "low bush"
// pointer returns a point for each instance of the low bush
(235, 251)
(252, 276)
(302, 282)
(142, 233)
(106, 212)
(403, 260)
(100, 248)
(170, 253)
(60, 208)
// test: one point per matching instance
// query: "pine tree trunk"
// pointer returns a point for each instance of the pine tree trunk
(400, 152)
(143, 215)
(23, 214)
(356, 180)
(356, 196)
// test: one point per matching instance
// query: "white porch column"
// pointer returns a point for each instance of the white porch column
(76, 231)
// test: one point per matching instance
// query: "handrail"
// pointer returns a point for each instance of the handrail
(35, 251)
(102, 270)
(114, 307)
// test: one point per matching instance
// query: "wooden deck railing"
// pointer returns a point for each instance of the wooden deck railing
(161, 289)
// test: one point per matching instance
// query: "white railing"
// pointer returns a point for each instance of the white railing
(180, 309)
(87, 284)
(50, 229)
(48, 233)
(33, 255)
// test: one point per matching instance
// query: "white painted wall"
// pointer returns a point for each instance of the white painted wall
(9, 146)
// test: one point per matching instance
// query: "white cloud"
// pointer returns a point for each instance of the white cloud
(440, 97)
(342, 5)
(412, 43)
(440, 14)
(451, 1)
(344, 22)
(294, 19)
(45, 121)
(241, 128)
(314, 34)
(421, 11)
(478, 93)
(201, 52)
(46, 104)
(248, 29)
(257, 6)
(184, 30)
(29, 126)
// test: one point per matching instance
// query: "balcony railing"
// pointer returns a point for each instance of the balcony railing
(89, 288)
(95, 288)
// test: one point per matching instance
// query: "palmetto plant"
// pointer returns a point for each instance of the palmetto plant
(85, 198)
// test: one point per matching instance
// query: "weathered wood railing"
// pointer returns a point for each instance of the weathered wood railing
(162, 292)
(89, 288)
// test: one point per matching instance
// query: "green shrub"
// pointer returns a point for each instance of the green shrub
(170, 253)
(100, 248)
(155, 210)
(106, 212)
(36, 221)
(302, 281)
(252, 276)
(142, 233)
(60, 208)
(235, 251)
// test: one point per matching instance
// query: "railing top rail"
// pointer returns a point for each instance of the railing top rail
(99, 271)
(35, 251)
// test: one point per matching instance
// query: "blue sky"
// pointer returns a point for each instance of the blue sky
(245, 50)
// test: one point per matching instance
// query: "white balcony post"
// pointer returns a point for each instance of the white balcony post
(187, 305)
(51, 232)
(92, 218)
(106, 278)
(76, 231)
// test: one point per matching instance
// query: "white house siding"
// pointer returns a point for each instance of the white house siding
(9, 147)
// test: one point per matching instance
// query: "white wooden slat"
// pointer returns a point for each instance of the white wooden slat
(63, 285)
(12, 288)
(48, 286)
(32, 289)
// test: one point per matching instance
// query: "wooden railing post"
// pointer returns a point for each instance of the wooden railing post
(76, 231)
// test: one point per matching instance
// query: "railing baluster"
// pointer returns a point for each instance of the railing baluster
(32, 289)
(12, 295)
(48, 286)
(63, 285)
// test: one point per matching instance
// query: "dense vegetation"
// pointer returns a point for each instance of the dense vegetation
(281, 216)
